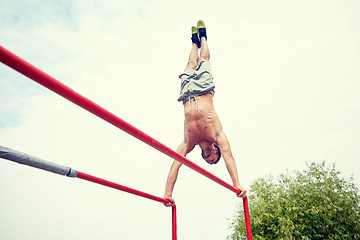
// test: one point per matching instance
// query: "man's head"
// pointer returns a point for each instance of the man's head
(211, 153)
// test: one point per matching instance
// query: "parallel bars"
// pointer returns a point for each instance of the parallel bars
(25, 68)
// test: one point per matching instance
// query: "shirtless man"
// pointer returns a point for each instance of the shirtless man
(202, 126)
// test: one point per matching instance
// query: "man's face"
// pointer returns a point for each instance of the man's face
(213, 157)
(210, 154)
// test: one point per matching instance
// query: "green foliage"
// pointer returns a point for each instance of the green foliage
(316, 203)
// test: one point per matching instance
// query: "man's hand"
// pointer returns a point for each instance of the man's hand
(171, 201)
(242, 194)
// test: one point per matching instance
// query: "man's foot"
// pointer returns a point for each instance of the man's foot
(195, 37)
(202, 29)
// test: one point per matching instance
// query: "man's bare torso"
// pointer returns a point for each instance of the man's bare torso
(201, 122)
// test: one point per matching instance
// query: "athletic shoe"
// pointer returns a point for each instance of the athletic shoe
(201, 29)
(195, 37)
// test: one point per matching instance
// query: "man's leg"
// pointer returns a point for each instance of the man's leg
(194, 56)
(204, 52)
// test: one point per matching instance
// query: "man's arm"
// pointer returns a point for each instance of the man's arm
(224, 146)
(174, 170)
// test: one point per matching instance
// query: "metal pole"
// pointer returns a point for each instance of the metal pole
(174, 223)
(107, 183)
(20, 65)
(54, 85)
(103, 182)
(22, 158)
(247, 219)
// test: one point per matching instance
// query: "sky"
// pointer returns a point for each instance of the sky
(287, 91)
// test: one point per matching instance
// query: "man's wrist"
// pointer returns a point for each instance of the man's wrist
(169, 195)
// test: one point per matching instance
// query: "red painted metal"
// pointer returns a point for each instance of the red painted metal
(54, 85)
(107, 183)
(20, 65)
(174, 223)
(247, 219)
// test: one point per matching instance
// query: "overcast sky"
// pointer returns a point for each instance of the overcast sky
(287, 91)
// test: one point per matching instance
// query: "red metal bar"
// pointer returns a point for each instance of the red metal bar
(54, 85)
(247, 218)
(174, 225)
(20, 65)
(107, 183)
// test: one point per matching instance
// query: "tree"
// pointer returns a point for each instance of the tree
(316, 203)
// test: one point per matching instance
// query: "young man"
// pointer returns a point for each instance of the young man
(202, 126)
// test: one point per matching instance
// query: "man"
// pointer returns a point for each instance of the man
(202, 126)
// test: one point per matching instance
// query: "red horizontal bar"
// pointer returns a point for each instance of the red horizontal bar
(107, 183)
(20, 65)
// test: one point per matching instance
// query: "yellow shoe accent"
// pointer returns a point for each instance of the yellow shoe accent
(201, 24)
(201, 29)
(194, 30)
(194, 36)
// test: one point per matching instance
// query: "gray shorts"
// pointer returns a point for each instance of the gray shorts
(196, 82)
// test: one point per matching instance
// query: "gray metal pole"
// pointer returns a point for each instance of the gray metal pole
(22, 158)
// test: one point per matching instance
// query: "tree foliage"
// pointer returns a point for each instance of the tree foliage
(316, 203)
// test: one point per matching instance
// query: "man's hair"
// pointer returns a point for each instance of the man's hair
(208, 152)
